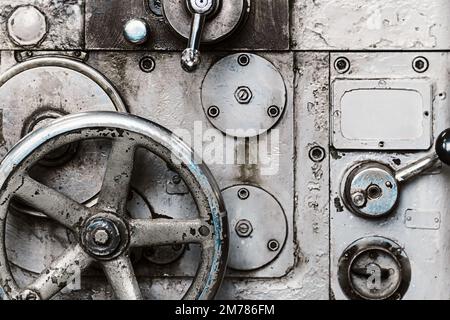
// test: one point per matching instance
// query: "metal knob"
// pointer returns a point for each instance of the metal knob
(443, 147)
(200, 9)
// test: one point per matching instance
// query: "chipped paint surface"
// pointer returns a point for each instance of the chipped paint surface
(371, 24)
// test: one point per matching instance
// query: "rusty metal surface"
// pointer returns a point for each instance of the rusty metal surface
(322, 50)
(65, 24)
(267, 27)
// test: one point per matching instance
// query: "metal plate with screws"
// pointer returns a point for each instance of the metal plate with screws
(258, 227)
(365, 111)
(229, 17)
(374, 268)
(243, 95)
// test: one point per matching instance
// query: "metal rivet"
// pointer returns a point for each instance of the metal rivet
(136, 31)
(204, 231)
(342, 65)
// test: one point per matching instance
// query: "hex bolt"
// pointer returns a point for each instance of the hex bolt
(243, 95)
(101, 237)
(359, 199)
(243, 193)
(273, 111)
(147, 64)
(243, 228)
(342, 65)
(213, 111)
(317, 154)
(243, 60)
(420, 64)
(273, 245)
(136, 31)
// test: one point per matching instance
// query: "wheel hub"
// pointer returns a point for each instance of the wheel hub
(104, 237)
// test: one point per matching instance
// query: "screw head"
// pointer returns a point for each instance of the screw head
(136, 31)
(420, 64)
(359, 199)
(147, 64)
(243, 60)
(243, 95)
(342, 65)
(243, 228)
(317, 154)
(243, 193)
(213, 111)
(273, 111)
(273, 245)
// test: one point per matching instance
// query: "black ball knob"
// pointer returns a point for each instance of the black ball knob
(443, 147)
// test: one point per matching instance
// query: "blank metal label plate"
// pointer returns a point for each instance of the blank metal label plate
(366, 114)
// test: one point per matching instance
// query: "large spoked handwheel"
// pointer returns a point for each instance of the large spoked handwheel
(105, 233)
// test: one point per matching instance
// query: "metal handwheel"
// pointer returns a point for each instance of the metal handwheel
(105, 233)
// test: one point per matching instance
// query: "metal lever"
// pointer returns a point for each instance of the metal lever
(442, 153)
(200, 9)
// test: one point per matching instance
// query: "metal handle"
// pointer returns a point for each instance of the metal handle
(442, 153)
(200, 9)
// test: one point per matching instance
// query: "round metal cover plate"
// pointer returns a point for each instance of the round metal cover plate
(268, 223)
(35, 92)
(248, 93)
(230, 15)
(374, 182)
(374, 268)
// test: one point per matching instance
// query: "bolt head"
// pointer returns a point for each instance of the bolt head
(101, 237)
(244, 228)
(359, 199)
(243, 95)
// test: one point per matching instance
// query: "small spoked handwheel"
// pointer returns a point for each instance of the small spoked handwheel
(104, 232)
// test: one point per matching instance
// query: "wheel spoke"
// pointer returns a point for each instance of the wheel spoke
(120, 274)
(116, 183)
(52, 203)
(147, 232)
(63, 270)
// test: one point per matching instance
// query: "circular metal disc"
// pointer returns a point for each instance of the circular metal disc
(377, 184)
(56, 85)
(230, 15)
(27, 26)
(244, 94)
(268, 222)
(374, 268)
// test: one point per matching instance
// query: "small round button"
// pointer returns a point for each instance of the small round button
(136, 31)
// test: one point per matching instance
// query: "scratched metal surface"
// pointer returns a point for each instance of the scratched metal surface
(288, 34)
